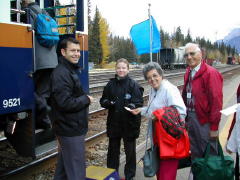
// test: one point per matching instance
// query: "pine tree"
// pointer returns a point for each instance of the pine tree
(188, 38)
(178, 37)
(95, 49)
(165, 39)
(89, 17)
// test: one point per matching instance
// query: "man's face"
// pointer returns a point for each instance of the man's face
(72, 52)
(193, 56)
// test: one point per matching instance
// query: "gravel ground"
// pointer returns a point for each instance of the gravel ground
(95, 155)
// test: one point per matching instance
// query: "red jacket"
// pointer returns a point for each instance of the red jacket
(207, 87)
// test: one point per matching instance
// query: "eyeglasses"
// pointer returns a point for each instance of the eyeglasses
(154, 76)
(190, 53)
(73, 50)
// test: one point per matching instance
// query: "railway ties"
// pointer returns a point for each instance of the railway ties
(96, 148)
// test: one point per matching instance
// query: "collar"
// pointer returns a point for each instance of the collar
(197, 67)
(121, 79)
(64, 61)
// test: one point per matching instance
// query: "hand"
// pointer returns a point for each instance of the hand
(228, 151)
(131, 106)
(136, 111)
(90, 98)
(213, 135)
(153, 117)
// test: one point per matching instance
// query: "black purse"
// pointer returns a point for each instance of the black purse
(185, 162)
(151, 158)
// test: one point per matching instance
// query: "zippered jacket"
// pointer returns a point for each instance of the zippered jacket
(68, 101)
(118, 94)
(207, 91)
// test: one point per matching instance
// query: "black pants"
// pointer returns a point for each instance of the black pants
(237, 167)
(114, 154)
(42, 93)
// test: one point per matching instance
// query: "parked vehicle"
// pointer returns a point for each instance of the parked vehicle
(172, 58)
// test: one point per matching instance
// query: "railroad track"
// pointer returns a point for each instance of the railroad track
(30, 167)
(96, 135)
(97, 88)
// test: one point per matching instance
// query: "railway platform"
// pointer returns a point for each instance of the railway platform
(229, 99)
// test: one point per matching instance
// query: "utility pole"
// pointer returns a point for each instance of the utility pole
(216, 36)
(150, 30)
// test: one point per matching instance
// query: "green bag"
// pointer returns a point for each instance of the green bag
(213, 167)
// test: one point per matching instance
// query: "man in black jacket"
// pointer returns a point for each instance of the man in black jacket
(69, 113)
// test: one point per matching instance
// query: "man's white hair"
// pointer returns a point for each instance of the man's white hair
(196, 46)
(28, 1)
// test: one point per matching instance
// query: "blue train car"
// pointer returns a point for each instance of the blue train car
(17, 102)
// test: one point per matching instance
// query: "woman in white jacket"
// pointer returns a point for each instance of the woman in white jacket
(233, 144)
(162, 94)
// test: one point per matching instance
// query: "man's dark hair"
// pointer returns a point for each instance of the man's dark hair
(64, 42)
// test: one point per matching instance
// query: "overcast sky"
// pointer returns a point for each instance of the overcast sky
(212, 19)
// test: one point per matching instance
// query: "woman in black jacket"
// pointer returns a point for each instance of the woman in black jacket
(119, 93)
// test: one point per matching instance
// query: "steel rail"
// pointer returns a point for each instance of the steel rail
(88, 141)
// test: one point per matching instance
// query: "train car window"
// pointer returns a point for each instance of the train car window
(65, 15)
(65, 2)
(17, 14)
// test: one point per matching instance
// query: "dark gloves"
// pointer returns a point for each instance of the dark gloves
(107, 103)
(131, 106)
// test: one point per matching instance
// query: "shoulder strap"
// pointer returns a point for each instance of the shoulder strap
(149, 134)
(32, 14)
(34, 10)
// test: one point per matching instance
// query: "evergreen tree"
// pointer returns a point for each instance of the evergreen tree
(178, 37)
(95, 49)
(89, 17)
(165, 39)
(228, 50)
(121, 48)
(188, 38)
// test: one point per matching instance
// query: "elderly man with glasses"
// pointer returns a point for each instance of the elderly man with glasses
(203, 97)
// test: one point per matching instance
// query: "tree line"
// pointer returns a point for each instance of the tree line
(104, 47)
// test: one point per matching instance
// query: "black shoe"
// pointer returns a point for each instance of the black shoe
(44, 124)
(131, 178)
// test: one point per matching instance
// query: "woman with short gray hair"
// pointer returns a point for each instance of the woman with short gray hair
(150, 66)
(162, 94)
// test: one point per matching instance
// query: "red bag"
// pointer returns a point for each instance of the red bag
(170, 147)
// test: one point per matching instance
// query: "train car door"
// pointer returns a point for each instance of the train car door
(16, 68)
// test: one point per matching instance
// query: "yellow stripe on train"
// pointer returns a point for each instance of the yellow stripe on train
(15, 35)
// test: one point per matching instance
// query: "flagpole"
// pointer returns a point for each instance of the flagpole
(150, 24)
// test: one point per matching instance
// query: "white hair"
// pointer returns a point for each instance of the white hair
(196, 46)
(28, 1)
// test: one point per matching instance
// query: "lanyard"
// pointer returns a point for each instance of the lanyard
(151, 101)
